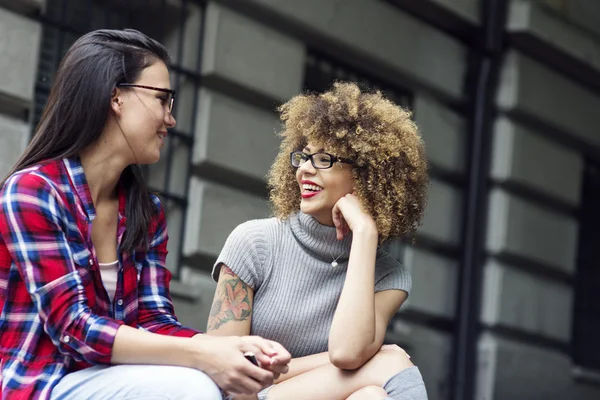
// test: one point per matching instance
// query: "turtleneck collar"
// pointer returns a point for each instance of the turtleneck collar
(320, 240)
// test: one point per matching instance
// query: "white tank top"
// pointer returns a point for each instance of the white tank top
(109, 274)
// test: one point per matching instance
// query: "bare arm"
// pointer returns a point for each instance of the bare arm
(231, 311)
(300, 365)
(361, 317)
(221, 358)
(231, 314)
(134, 346)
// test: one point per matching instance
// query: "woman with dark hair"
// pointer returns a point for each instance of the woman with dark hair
(83, 282)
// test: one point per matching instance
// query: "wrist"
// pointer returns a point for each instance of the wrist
(367, 232)
(197, 351)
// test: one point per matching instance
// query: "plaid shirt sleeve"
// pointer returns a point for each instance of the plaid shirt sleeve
(33, 225)
(156, 311)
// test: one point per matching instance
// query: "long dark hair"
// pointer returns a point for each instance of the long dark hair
(79, 105)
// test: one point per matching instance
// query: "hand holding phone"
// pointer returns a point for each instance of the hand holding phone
(251, 357)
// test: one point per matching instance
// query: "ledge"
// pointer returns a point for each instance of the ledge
(554, 41)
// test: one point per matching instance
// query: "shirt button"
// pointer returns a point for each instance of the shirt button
(120, 302)
(79, 287)
(91, 262)
(66, 339)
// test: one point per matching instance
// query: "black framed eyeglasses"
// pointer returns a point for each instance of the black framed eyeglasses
(318, 160)
(170, 93)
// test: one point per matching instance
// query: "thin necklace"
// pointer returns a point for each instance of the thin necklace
(334, 263)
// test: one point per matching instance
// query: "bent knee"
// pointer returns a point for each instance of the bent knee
(369, 393)
(388, 361)
(395, 356)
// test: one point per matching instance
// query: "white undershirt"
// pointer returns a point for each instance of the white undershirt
(109, 274)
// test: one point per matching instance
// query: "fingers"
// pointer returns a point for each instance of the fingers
(336, 216)
(338, 219)
(347, 211)
(283, 356)
(246, 378)
(266, 352)
(271, 355)
(278, 369)
(257, 375)
(243, 385)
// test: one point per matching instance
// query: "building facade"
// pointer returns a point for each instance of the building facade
(506, 282)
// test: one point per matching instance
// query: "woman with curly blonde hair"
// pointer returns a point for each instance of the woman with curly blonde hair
(351, 174)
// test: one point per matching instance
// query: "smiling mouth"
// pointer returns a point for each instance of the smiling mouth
(310, 190)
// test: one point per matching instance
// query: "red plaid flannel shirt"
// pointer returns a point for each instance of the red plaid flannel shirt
(56, 315)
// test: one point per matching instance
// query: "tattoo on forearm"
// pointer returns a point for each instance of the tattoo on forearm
(231, 302)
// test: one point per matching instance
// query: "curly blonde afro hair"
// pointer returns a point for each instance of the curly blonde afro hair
(390, 172)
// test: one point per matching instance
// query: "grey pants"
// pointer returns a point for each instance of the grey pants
(406, 385)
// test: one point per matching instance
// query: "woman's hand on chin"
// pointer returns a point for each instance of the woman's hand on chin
(349, 216)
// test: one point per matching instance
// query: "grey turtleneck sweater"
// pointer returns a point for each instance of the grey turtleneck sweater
(296, 290)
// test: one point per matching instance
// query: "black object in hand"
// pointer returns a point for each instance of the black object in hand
(251, 357)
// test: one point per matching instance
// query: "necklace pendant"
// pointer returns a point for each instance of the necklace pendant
(334, 264)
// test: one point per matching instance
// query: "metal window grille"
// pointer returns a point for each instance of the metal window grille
(178, 24)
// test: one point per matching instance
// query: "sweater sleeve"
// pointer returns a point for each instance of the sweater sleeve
(245, 252)
(391, 274)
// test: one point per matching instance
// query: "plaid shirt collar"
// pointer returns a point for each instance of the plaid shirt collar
(85, 205)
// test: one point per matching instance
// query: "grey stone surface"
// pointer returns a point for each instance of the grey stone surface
(434, 282)
(235, 135)
(214, 212)
(252, 55)
(526, 302)
(386, 34)
(17, 66)
(528, 158)
(14, 135)
(518, 227)
(192, 297)
(585, 13)
(529, 17)
(443, 132)
(564, 104)
(509, 370)
(190, 44)
(467, 9)
(443, 213)
(27, 7)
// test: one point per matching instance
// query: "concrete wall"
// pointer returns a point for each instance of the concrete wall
(386, 35)
(516, 371)
(532, 236)
(17, 76)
